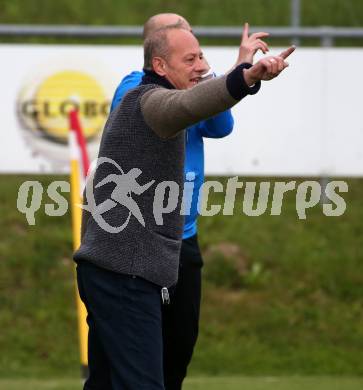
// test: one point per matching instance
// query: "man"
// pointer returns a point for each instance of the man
(180, 319)
(121, 276)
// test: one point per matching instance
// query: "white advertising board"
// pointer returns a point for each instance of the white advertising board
(305, 123)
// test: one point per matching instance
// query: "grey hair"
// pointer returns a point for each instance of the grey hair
(154, 23)
(157, 44)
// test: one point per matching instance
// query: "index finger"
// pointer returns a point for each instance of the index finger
(287, 52)
(245, 31)
(259, 35)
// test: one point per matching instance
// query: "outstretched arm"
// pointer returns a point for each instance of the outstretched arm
(169, 111)
(221, 125)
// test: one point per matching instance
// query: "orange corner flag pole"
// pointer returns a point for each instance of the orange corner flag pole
(79, 168)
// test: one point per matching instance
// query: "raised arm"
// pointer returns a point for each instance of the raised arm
(218, 126)
(169, 111)
(221, 125)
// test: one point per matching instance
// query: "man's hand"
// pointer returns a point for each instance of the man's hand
(250, 45)
(267, 68)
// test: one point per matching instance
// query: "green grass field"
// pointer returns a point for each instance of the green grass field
(267, 383)
(281, 296)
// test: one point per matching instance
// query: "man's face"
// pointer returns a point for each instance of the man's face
(185, 64)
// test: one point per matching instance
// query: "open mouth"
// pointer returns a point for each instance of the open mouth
(195, 80)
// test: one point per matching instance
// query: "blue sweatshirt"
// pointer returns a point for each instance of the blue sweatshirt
(216, 127)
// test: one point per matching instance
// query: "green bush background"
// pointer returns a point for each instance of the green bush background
(201, 12)
(281, 295)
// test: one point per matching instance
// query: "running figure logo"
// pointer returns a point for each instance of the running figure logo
(126, 185)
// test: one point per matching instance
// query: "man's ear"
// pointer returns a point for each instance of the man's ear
(159, 66)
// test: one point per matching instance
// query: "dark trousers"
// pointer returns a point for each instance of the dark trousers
(125, 336)
(181, 317)
(131, 334)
